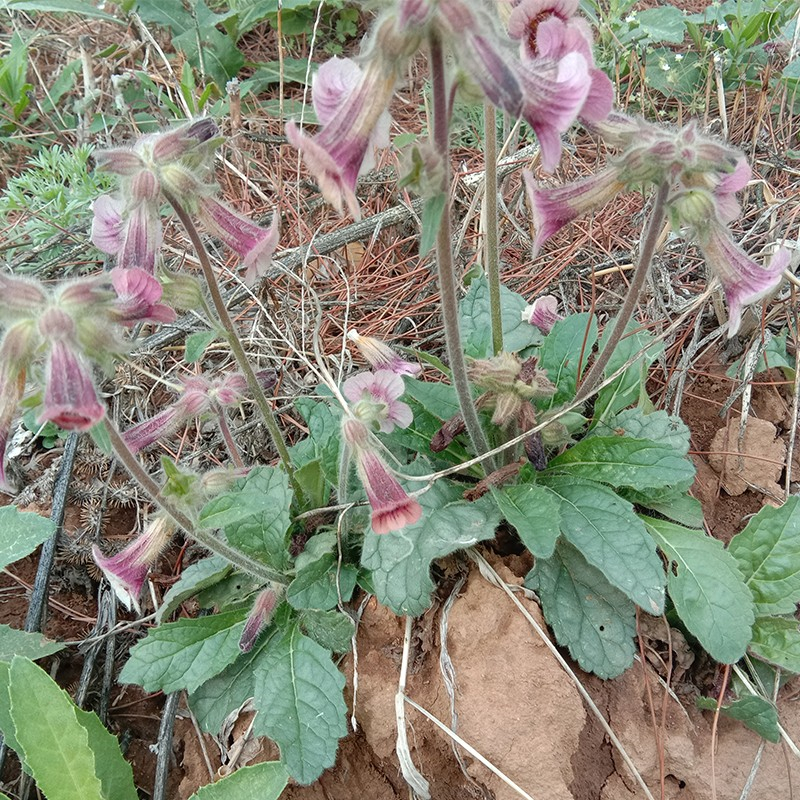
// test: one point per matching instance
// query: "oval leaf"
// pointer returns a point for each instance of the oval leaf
(707, 589)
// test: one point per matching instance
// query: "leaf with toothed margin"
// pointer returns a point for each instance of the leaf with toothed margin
(560, 354)
(298, 694)
(611, 537)
(400, 561)
(21, 532)
(186, 653)
(777, 641)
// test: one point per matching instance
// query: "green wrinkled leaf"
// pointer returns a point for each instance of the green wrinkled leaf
(329, 629)
(560, 353)
(754, 712)
(21, 643)
(266, 781)
(298, 694)
(315, 584)
(54, 745)
(768, 554)
(439, 399)
(194, 579)
(231, 593)
(255, 515)
(625, 462)
(611, 537)
(624, 391)
(595, 620)
(476, 323)
(196, 344)
(324, 439)
(221, 695)
(534, 512)
(186, 653)
(400, 561)
(657, 426)
(21, 532)
(708, 590)
(7, 727)
(777, 640)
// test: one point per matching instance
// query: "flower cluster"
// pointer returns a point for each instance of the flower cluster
(549, 83)
(199, 396)
(68, 328)
(703, 176)
(175, 165)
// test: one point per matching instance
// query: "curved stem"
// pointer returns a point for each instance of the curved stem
(444, 257)
(491, 248)
(203, 537)
(253, 385)
(654, 225)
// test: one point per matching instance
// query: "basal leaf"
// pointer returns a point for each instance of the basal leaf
(316, 584)
(7, 727)
(186, 653)
(21, 532)
(754, 712)
(329, 629)
(114, 772)
(438, 399)
(612, 538)
(657, 426)
(476, 322)
(55, 746)
(400, 561)
(707, 589)
(768, 554)
(777, 640)
(194, 579)
(224, 693)
(14, 642)
(560, 353)
(596, 621)
(266, 781)
(298, 695)
(625, 462)
(662, 24)
(534, 512)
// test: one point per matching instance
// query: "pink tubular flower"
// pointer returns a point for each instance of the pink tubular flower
(107, 224)
(352, 127)
(127, 570)
(556, 207)
(70, 399)
(258, 619)
(543, 313)
(375, 396)
(743, 280)
(550, 29)
(392, 508)
(381, 356)
(725, 193)
(137, 297)
(253, 244)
